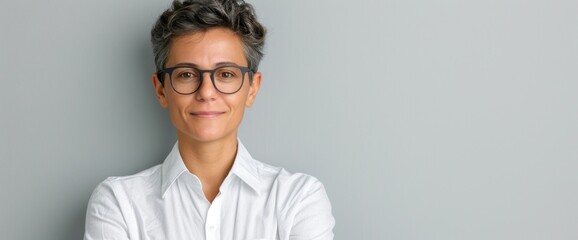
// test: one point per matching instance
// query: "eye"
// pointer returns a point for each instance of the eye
(185, 74)
(226, 74)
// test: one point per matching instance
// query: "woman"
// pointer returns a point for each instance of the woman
(207, 54)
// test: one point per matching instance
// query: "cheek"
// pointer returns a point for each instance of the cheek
(237, 105)
(242, 100)
(177, 104)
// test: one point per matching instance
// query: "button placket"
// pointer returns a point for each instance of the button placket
(213, 223)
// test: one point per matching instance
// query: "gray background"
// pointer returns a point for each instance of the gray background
(425, 119)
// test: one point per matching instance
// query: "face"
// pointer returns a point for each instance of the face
(207, 115)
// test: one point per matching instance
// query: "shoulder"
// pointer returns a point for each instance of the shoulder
(109, 210)
(301, 202)
(146, 181)
(291, 185)
(279, 174)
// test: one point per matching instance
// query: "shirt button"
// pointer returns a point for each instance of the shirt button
(212, 227)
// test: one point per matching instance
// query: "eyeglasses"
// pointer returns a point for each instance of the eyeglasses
(187, 79)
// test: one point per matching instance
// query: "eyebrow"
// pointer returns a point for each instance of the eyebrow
(219, 64)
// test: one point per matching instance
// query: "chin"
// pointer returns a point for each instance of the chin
(208, 135)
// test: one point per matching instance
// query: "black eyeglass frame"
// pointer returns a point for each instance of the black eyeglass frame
(169, 71)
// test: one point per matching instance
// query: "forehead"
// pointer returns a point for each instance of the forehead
(207, 48)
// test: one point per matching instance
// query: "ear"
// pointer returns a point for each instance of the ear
(253, 89)
(159, 91)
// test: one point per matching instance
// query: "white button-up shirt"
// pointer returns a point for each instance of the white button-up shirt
(166, 202)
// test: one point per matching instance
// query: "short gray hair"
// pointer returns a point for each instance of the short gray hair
(191, 16)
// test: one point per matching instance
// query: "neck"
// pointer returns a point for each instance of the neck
(209, 161)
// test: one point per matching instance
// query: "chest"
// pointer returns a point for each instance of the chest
(184, 213)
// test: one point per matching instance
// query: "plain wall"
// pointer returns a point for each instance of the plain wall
(424, 119)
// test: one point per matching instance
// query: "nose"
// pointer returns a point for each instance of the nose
(207, 91)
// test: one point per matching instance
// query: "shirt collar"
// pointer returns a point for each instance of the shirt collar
(244, 167)
(173, 167)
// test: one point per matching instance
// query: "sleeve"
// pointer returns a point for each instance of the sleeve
(104, 219)
(313, 220)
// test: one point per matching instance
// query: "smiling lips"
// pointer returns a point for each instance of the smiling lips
(206, 114)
